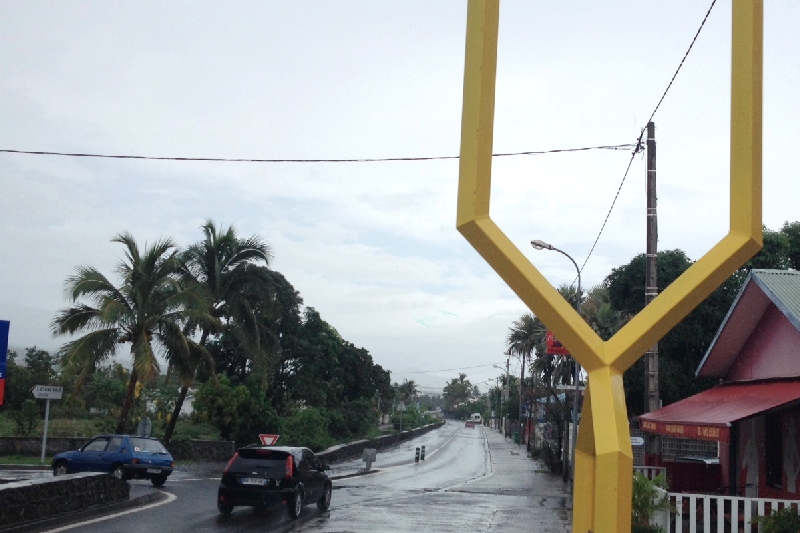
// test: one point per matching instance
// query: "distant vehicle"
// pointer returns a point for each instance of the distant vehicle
(476, 417)
(123, 456)
(258, 476)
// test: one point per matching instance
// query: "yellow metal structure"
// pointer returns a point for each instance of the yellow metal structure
(604, 461)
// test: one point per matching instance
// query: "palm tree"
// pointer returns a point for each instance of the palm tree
(233, 272)
(599, 313)
(148, 310)
(407, 391)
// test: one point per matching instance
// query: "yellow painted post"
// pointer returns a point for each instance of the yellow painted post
(603, 474)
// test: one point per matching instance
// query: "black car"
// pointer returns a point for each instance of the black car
(262, 475)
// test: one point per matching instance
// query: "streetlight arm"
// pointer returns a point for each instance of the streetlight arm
(541, 245)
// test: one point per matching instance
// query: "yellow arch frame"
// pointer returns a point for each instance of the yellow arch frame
(604, 461)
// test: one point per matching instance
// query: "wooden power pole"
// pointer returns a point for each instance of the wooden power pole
(652, 401)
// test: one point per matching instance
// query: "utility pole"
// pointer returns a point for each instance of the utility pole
(507, 387)
(500, 414)
(521, 378)
(652, 400)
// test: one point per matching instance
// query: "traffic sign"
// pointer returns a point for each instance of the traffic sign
(47, 392)
(267, 439)
(637, 441)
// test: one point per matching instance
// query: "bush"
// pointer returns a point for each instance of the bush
(308, 427)
(649, 497)
(785, 520)
(550, 456)
(27, 418)
(352, 420)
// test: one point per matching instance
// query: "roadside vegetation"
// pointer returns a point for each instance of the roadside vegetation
(211, 327)
(609, 306)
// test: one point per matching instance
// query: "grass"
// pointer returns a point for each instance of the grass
(23, 460)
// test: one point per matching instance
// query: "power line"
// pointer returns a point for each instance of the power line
(448, 369)
(638, 145)
(359, 160)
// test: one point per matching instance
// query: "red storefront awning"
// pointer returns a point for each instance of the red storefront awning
(709, 414)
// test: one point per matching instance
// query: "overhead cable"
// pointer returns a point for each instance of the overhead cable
(638, 147)
(358, 160)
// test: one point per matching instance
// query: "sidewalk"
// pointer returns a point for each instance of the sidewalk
(550, 498)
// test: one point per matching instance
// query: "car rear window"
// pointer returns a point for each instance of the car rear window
(271, 463)
(147, 445)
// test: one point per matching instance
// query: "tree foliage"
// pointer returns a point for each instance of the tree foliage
(459, 391)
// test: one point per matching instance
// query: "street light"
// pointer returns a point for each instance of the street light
(502, 418)
(541, 245)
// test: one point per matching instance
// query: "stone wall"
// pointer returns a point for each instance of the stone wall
(196, 450)
(353, 450)
(32, 446)
(35, 499)
(202, 450)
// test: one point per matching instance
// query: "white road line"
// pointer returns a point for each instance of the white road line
(170, 498)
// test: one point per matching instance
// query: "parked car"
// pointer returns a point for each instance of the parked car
(123, 456)
(258, 476)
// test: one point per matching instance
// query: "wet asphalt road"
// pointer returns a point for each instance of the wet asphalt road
(471, 480)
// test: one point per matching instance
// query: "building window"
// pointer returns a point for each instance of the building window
(774, 451)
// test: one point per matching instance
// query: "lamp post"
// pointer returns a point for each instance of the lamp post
(541, 245)
(502, 393)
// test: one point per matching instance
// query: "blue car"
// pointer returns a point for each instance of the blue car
(123, 456)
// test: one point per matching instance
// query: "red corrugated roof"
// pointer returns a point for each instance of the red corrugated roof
(708, 415)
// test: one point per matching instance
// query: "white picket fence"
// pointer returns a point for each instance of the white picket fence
(711, 513)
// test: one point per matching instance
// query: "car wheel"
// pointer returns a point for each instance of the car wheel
(158, 481)
(296, 504)
(224, 508)
(118, 472)
(325, 501)
(60, 468)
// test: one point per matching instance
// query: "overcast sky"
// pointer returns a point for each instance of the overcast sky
(372, 246)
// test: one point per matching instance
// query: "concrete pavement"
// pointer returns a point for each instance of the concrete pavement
(550, 498)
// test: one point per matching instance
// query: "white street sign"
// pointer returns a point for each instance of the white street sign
(47, 392)
(637, 441)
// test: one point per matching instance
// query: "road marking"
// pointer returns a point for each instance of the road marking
(170, 498)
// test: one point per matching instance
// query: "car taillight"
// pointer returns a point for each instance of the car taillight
(289, 467)
(134, 461)
(228, 466)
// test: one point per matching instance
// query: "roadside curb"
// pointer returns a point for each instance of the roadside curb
(355, 474)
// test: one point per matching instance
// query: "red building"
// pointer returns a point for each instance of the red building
(754, 413)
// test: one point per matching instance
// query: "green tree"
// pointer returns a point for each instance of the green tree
(233, 272)
(41, 365)
(105, 390)
(219, 403)
(308, 427)
(406, 392)
(27, 417)
(457, 392)
(792, 232)
(149, 306)
(19, 382)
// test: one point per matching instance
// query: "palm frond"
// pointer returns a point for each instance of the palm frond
(76, 318)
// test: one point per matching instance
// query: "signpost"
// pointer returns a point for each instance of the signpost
(47, 393)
